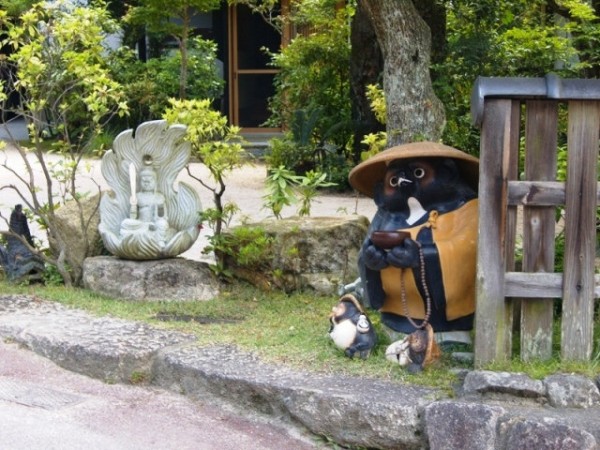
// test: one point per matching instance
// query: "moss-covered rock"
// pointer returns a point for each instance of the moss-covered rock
(304, 253)
(78, 240)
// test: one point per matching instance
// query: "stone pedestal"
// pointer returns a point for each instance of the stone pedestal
(174, 279)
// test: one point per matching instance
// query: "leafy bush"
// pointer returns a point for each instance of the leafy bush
(302, 151)
(249, 247)
(314, 73)
(312, 93)
(151, 84)
(501, 39)
(287, 152)
(285, 188)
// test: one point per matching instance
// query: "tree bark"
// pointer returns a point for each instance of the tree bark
(366, 66)
(413, 110)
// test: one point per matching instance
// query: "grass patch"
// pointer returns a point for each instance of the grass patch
(290, 329)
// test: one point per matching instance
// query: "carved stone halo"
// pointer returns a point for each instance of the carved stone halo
(139, 224)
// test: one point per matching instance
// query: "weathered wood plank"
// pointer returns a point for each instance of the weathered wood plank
(513, 306)
(580, 230)
(539, 285)
(534, 285)
(491, 312)
(539, 193)
(541, 140)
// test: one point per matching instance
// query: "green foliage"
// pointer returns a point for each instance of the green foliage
(156, 16)
(66, 90)
(287, 152)
(376, 97)
(314, 70)
(249, 247)
(375, 142)
(211, 216)
(61, 70)
(285, 188)
(52, 276)
(217, 145)
(302, 150)
(14, 8)
(280, 189)
(519, 38)
(139, 377)
(151, 84)
(307, 190)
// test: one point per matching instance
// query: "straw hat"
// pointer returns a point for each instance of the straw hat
(365, 175)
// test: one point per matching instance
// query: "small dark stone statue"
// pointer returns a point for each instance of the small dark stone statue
(17, 260)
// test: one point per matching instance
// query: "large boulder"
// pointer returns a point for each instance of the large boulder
(68, 234)
(173, 279)
(305, 253)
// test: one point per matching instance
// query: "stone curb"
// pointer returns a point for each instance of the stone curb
(110, 349)
(491, 411)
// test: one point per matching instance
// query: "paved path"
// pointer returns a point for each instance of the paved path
(45, 407)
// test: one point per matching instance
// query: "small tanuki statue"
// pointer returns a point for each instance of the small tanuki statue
(350, 328)
(417, 263)
(145, 217)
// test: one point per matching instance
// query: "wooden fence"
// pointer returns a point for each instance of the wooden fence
(524, 112)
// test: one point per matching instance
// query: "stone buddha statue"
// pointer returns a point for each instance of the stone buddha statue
(150, 202)
(145, 217)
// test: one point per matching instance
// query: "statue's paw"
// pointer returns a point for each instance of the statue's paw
(404, 255)
(375, 258)
(398, 351)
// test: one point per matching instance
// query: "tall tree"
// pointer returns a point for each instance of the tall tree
(413, 110)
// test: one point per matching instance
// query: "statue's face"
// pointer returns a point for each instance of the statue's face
(404, 179)
(148, 182)
(434, 182)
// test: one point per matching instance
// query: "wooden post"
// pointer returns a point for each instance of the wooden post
(491, 313)
(513, 305)
(541, 135)
(580, 235)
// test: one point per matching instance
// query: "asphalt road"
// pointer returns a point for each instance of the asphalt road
(45, 407)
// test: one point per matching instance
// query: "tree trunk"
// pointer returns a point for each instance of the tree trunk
(413, 110)
(366, 65)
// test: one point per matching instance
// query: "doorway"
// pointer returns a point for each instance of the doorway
(251, 79)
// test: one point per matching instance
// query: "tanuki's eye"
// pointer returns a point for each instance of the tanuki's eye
(394, 181)
(419, 173)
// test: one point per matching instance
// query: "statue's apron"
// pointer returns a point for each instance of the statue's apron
(449, 243)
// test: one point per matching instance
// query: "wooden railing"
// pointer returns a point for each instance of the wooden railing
(499, 106)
